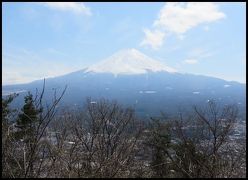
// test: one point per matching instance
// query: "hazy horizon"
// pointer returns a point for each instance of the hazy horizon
(86, 67)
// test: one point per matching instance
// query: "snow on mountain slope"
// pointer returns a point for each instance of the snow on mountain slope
(129, 61)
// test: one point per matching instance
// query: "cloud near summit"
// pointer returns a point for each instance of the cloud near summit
(179, 17)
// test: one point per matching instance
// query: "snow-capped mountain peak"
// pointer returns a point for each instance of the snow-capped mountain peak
(129, 61)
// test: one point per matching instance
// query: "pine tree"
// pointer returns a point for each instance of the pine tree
(159, 140)
(27, 119)
(6, 112)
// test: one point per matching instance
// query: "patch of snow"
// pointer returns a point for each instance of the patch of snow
(196, 92)
(150, 92)
(71, 142)
(129, 61)
(93, 102)
(140, 92)
(226, 85)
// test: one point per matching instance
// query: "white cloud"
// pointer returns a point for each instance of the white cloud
(190, 61)
(197, 54)
(75, 7)
(179, 17)
(200, 53)
(154, 39)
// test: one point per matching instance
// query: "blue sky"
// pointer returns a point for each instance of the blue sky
(50, 39)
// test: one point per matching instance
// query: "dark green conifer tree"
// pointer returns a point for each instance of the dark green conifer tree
(27, 120)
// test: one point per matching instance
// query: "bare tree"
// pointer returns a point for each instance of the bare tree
(109, 135)
(100, 141)
(198, 145)
(203, 144)
(8, 114)
(24, 160)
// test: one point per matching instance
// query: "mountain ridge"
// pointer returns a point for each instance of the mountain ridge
(149, 92)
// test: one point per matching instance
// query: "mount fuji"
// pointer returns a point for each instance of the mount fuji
(134, 79)
(129, 61)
